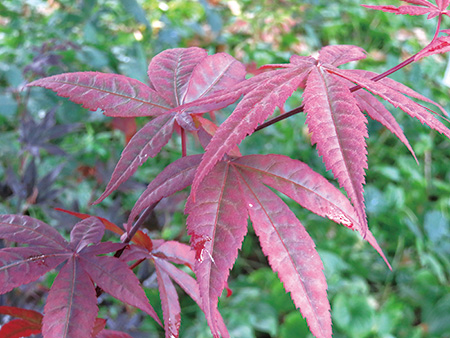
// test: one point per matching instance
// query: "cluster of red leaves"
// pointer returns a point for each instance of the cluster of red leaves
(71, 306)
(227, 188)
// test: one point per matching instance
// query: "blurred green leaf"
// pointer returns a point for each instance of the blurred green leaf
(294, 326)
(437, 227)
(135, 9)
(8, 107)
(353, 314)
(438, 319)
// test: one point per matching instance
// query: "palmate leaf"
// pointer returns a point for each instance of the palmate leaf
(171, 73)
(333, 117)
(331, 110)
(217, 223)
(333, 114)
(337, 124)
(176, 77)
(71, 307)
(338, 127)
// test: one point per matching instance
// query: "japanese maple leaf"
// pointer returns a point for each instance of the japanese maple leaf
(236, 189)
(71, 306)
(331, 128)
(333, 111)
(423, 7)
(162, 254)
(176, 76)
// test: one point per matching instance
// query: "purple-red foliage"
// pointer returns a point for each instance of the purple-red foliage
(227, 188)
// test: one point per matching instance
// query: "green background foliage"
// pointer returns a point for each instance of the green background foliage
(408, 205)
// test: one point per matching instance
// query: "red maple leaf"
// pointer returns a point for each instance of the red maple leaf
(217, 222)
(176, 76)
(333, 113)
(71, 306)
(162, 254)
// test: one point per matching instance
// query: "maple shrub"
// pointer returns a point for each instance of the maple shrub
(227, 188)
